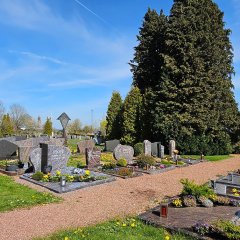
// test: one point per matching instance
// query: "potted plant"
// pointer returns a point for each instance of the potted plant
(20, 164)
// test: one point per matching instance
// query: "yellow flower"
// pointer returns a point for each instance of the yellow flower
(177, 202)
(234, 190)
(58, 173)
(87, 172)
(133, 225)
(66, 238)
(118, 223)
(167, 237)
(236, 194)
(124, 224)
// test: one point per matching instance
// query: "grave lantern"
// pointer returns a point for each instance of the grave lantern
(64, 119)
(164, 209)
(63, 181)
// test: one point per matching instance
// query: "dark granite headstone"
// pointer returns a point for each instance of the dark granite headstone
(44, 158)
(147, 147)
(124, 151)
(82, 145)
(111, 144)
(7, 149)
(156, 148)
(92, 158)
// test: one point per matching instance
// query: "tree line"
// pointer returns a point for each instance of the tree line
(182, 82)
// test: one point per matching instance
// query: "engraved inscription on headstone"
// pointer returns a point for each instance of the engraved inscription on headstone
(147, 148)
(124, 151)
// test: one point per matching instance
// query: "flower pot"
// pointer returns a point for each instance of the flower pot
(20, 165)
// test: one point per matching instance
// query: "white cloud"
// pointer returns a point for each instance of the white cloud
(40, 57)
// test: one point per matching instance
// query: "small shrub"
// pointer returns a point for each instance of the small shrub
(236, 148)
(122, 162)
(222, 200)
(138, 149)
(226, 229)
(189, 201)
(144, 160)
(191, 188)
(124, 172)
(38, 176)
(109, 165)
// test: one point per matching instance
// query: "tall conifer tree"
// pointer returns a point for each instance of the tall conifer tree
(114, 117)
(131, 128)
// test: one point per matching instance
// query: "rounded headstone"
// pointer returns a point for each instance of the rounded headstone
(124, 151)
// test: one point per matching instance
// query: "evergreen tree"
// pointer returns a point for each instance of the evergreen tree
(189, 96)
(6, 126)
(131, 131)
(147, 62)
(47, 128)
(114, 122)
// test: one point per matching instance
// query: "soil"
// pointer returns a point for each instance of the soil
(99, 203)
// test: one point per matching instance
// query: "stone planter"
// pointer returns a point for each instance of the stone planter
(11, 168)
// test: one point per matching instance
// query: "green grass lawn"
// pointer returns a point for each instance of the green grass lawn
(130, 229)
(76, 160)
(209, 158)
(72, 144)
(14, 195)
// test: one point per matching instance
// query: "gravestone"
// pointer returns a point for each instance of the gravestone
(111, 145)
(124, 151)
(162, 152)
(92, 158)
(147, 147)
(156, 149)
(172, 147)
(7, 149)
(36, 158)
(53, 155)
(82, 145)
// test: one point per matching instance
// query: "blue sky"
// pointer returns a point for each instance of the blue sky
(69, 55)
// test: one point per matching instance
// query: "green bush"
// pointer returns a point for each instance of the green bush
(218, 143)
(122, 162)
(226, 229)
(236, 148)
(191, 188)
(138, 149)
(38, 176)
(144, 160)
(109, 165)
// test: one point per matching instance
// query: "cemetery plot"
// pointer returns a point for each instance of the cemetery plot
(122, 172)
(71, 179)
(158, 168)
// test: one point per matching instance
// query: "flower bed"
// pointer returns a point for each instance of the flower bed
(75, 179)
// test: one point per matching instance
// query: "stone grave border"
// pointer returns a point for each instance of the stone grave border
(55, 186)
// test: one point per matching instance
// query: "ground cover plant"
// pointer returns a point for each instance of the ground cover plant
(72, 144)
(130, 228)
(14, 195)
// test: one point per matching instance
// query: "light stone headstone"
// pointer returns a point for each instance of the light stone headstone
(172, 147)
(147, 147)
(124, 151)
(162, 152)
(53, 155)
(82, 145)
(35, 159)
(92, 158)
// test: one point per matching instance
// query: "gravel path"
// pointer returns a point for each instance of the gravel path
(99, 203)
